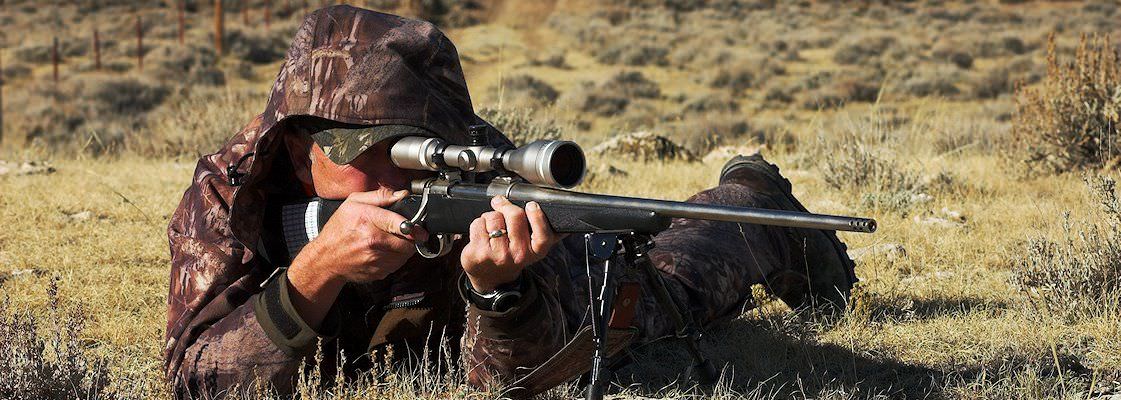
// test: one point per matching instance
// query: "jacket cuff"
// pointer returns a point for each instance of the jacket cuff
(284, 326)
(516, 322)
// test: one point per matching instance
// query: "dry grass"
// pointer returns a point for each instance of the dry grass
(1001, 291)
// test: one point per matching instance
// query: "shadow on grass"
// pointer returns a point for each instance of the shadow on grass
(777, 358)
(907, 308)
(759, 359)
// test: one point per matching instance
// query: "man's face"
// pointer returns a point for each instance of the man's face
(371, 170)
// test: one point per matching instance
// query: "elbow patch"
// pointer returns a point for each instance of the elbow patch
(283, 325)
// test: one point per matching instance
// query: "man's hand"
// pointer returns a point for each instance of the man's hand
(361, 242)
(490, 262)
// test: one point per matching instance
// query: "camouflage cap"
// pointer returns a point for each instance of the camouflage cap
(343, 145)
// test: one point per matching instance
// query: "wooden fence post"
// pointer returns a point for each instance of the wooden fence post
(96, 49)
(139, 43)
(54, 60)
(245, 13)
(268, 14)
(181, 20)
(219, 21)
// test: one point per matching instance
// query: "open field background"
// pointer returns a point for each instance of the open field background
(989, 278)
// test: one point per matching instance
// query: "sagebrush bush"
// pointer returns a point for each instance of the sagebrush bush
(196, 124)
(192, 64)
(1070, 121)
(45, 358)
(850, 164)
(841, 92)
(256, 47)
(590, 98)
(932, 82)
(525, 90)
(1080, 273)
(521, 126)
(632, 84)
(862, 49)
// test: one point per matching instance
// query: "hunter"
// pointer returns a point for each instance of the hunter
(352, 82)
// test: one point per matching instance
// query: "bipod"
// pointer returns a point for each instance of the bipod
(623, 253)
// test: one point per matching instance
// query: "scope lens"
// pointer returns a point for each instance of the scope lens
(567, 164)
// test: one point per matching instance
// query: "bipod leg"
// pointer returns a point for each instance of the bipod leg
(600, 248)
(638, 255)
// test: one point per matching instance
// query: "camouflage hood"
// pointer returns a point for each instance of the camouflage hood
(364, 67)
(353, 66)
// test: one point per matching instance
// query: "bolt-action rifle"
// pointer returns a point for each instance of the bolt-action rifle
(618, 231)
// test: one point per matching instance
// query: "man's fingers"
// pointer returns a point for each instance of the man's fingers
(499, 246)
(383, 197)
(478, 231)
(543, 236)
(390, 222)
(517, 227)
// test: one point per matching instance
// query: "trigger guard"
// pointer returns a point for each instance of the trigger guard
(444, 243)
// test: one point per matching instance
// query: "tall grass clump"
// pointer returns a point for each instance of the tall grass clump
(43, 358)
(1070, 122)
(1080, 273)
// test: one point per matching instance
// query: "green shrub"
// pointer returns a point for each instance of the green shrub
(1070, 122)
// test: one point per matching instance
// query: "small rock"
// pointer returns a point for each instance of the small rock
(920, 198)
(889, 251)
(27, 168)
(724, 153)
(644, 146)
(79, 216)
(5, 275)
(937, 221)
(952, 215)
(946, 218)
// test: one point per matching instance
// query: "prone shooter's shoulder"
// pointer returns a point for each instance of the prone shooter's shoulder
(210, 193)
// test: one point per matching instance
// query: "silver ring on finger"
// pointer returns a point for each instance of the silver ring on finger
(497, 233)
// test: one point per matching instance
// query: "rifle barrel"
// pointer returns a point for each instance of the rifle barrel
(673, 209)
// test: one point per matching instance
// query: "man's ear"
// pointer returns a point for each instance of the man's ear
(299, 153)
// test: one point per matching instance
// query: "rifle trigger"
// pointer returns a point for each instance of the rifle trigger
(421, 212)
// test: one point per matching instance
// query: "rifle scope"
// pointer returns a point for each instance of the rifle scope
(557, 163)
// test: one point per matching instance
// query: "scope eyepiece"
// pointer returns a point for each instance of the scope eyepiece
(557, 163)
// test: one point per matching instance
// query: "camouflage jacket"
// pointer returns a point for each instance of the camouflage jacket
(229, 321)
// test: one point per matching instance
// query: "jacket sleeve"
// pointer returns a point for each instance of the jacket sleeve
(499, 348)
(226, 327)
